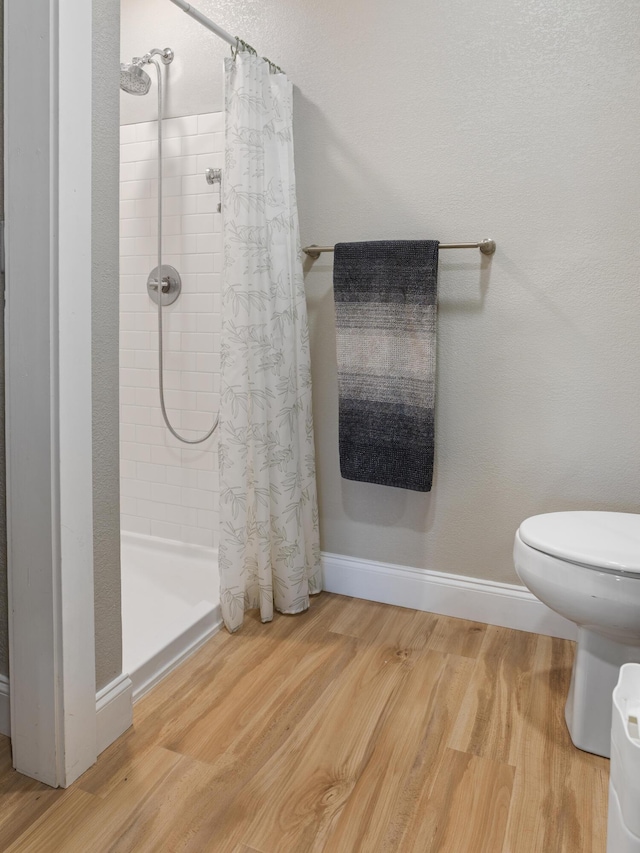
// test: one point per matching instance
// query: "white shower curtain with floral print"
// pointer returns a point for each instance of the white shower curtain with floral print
(269, 550)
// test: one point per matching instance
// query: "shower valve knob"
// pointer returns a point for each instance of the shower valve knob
(171, 284)
(166, 284)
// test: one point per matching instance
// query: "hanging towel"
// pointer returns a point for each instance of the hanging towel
(385, 297)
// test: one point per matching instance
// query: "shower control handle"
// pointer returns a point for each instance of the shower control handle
(166, 284)
(170, 287)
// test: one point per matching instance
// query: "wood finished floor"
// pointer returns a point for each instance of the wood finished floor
(354, 727)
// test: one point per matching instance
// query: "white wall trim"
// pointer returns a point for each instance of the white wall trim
(48, 388)
(5, 712)
(72, 395)
(114, 710)
(507, 605)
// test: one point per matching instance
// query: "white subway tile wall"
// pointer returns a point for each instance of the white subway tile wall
(170, 489)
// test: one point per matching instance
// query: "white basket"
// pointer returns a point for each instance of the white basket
(623, 835)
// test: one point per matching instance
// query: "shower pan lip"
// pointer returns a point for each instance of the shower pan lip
(185, 610)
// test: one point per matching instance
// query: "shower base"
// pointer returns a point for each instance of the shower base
(170, 605)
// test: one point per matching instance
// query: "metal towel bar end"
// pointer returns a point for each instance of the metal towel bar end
(487, 247)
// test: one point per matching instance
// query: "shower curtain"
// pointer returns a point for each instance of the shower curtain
(269, 550)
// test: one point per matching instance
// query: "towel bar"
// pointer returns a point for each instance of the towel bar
(487, 247)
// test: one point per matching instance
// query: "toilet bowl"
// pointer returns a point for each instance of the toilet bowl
(586, 567)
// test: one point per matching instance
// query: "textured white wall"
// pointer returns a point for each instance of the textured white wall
(194, 78)
(516, 121)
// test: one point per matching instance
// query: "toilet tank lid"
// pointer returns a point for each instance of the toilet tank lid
(608, 540)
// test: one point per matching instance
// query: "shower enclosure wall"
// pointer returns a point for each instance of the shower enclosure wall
(169, 490)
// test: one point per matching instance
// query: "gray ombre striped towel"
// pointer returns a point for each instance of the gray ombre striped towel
(385, 296)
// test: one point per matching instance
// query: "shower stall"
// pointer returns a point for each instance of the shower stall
(169, 377)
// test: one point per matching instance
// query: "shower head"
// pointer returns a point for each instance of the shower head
(133, 79)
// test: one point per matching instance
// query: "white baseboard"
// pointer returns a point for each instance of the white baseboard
(5, 713)
(148, 674)
(114, 710)
(114, 706)
(114, 703)
(507, 605)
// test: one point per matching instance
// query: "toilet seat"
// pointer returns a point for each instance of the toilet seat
(605, 541)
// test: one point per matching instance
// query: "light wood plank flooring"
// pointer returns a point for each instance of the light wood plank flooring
(353, 727)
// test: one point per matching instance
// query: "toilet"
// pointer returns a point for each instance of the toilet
(586, 567)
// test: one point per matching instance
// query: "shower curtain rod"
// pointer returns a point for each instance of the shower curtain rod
(487, 247)
(206, 22)
(223, 34)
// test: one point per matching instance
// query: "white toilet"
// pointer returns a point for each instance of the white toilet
(586, 566)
